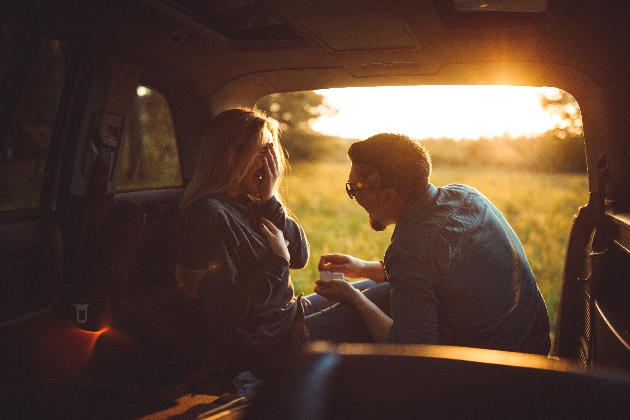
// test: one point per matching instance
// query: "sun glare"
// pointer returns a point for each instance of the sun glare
(435, 111)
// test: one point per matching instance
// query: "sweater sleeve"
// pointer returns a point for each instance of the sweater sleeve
(299, 247)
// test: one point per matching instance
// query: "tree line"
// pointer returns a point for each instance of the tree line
(560, 149)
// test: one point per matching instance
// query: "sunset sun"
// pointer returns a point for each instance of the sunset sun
(436, 111)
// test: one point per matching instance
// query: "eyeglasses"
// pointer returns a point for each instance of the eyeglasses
(352, 191)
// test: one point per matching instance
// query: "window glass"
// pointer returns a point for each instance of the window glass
(150, 158)
(24, 152)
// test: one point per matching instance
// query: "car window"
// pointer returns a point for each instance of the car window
(150, 157)
(24, 143)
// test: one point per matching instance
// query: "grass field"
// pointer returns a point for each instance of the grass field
(539, 206)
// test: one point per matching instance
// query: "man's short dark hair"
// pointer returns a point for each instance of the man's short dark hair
(402, 163)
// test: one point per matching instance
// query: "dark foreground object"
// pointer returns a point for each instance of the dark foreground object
(410, 382)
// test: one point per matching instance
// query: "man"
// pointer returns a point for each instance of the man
(457, 271)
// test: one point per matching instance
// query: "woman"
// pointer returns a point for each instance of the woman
(235, 242)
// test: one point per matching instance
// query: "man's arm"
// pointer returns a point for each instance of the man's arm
(353, 267)
(374, 270)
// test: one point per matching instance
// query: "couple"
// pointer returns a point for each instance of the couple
(455, 273)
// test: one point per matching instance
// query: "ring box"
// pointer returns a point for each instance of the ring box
(327, 275)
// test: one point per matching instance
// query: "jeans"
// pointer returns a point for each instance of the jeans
(341, 322)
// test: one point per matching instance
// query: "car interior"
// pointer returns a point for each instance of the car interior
(89, 323)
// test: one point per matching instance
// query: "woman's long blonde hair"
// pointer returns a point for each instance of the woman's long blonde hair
(231, 145)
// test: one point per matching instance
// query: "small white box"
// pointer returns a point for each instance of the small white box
(327, 275)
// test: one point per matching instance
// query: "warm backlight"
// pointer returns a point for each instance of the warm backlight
(66, 349)
(436, 111)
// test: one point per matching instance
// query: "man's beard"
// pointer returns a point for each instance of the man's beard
(376, 225)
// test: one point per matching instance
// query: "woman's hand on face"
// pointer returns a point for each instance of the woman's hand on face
(350, 266)
(336, 290)
(271, 173)
(275, 238)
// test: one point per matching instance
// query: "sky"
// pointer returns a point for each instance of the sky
(435, 111)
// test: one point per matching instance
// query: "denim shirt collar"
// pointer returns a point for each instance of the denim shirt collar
(410, 215)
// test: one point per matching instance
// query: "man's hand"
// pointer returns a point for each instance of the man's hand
(340, 263)
(275, 238)
(337, 291)
(352, 267)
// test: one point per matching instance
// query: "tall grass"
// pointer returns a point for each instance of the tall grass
(539, 206)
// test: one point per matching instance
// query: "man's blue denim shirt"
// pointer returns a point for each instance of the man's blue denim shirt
(459, 276)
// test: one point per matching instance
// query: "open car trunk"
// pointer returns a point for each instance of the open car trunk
(90, 324)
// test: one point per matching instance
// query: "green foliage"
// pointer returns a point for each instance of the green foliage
(564, 111)
(539, 206)
(294, 111)
(547, 153)
(311, 146)
(33, 120)
(559, 150)
(150, 157)
(23, 153)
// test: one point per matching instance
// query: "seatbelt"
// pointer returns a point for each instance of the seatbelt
(106, 129)
(599, 248)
